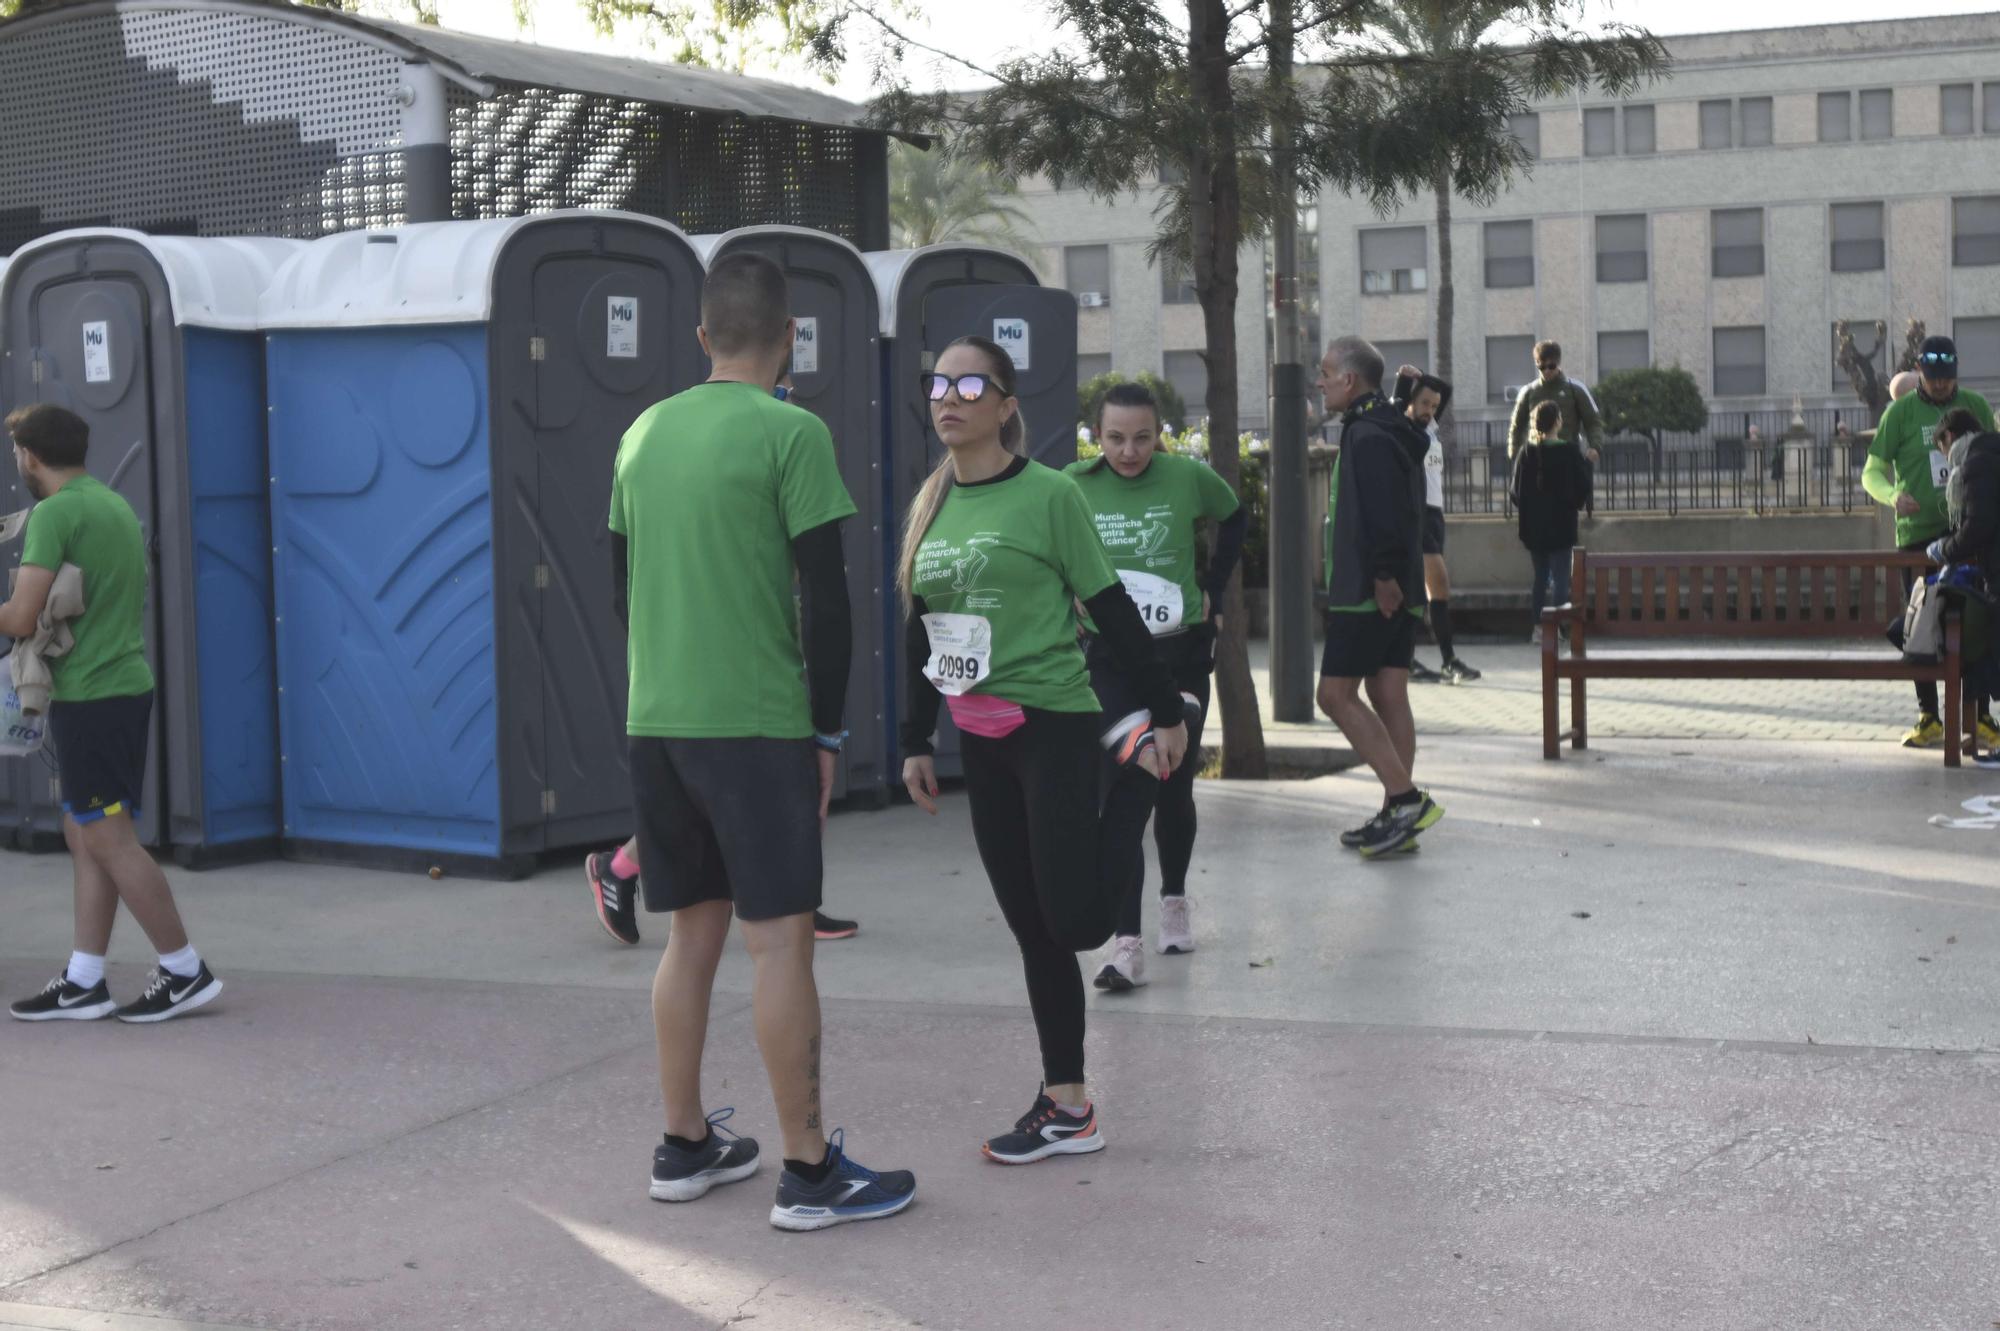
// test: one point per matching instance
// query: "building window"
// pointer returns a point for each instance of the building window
(1510, 363)
(1526, 127)
(1395, 355)
(1091, 364)
(1600, 131)
(1878, 113)
(1978, 349)
(1638, 129)
(1857, 238)
(1621, 248)
(1623, 351)
(1955, 108)
(1716, 121)
(1989, 113)
(1755, 115)
(1510, 254)
(1739, 362)
(1087, 270)
(1736, 242)
(1975, 231)
(1867, 345)
(1836, 117)
(1188, 373)
(1393, 259)
(1177, 282)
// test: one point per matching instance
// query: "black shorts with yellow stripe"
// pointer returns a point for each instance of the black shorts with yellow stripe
(101, 754)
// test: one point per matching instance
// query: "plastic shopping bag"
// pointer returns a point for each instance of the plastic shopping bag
(20, 734)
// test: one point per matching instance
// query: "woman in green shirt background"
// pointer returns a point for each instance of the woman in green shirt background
(1149, 505)
(996, 553)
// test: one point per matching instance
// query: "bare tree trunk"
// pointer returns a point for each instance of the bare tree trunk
(1218, 233)
(1441, 353)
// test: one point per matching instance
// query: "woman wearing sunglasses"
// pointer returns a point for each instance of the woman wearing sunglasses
(996, 553)
(1149, 505)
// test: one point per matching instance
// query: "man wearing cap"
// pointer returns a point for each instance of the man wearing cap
(1907, 471)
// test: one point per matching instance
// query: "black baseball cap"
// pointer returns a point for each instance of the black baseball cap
(1938, 359)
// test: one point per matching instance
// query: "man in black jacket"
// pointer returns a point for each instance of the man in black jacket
(1972, 503)
(1375, 590)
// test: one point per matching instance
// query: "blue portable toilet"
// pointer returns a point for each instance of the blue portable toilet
(836, 374)
(446, 404)
(929, 298)
(153, 340)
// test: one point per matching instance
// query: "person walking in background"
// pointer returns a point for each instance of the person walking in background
(1572, 399)
(1907, 471)
(1972, 533)
(1423, 398)
(100, 719)
(1551, 485)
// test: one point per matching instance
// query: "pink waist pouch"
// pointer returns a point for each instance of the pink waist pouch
(984, 715)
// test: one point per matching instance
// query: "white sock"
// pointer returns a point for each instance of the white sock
(185, 963)
(1074, 1111)
(84, 970)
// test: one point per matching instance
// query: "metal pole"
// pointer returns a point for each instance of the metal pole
(1285, 474)
(426, 144)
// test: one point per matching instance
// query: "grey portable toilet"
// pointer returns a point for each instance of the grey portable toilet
(153, 340)
(930, 297)
(446, 404)
(837, 375)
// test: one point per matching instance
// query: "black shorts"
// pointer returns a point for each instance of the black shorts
(728, 820)
(1189, 657)
(101, 754)
(1433, 530)
(1361, 643)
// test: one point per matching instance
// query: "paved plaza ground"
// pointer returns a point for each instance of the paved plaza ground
(1699, 1029)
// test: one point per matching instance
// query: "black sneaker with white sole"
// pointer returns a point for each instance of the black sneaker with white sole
(847, 1193)
(169, 995)
(62, 1001)
(615, 896)
(1354, 837)
(1458, 672)
(681, 1175)
(1047, 1129)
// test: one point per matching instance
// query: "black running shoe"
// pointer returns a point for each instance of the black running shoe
(1401, 826)
(62, 1001)
(1423, 674)
(827, 929)
(1047, 1129)
(1458, 672)
(681, 1175)
(848, 1192)
(615, 896)
(1355, 837)
(170, 995)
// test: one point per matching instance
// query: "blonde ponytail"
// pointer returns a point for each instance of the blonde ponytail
(923, 512)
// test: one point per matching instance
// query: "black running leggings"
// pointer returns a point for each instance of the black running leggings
(1131, 796)
(1034, 797)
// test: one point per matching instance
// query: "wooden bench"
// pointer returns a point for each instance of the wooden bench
(1740, 596)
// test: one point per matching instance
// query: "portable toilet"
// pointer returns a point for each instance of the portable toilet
(836, 374)
(930, 297)
(153, 340)
(446, 404)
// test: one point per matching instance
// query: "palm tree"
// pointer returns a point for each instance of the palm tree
(1455, 47)
(945, 195)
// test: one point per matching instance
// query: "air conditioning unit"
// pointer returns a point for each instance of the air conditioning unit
(1092, 300)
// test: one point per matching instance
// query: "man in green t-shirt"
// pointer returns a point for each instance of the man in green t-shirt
(737, 692)
(1907, 471)
(100, 720)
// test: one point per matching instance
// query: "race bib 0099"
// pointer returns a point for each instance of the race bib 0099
(961, 652)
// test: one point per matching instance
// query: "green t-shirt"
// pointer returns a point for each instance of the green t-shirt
(710, 489)
(1147, 524)
(1903, 441)
(91, 526)
(1003, 560)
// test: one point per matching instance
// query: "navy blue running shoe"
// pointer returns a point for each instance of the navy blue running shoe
(848, 1192)
(681, 1175)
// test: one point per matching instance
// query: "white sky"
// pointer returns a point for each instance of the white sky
(988, 32)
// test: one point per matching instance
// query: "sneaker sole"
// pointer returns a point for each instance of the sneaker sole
(697, 1185)
(835, 935)
(1429, 820)
(805, 1219)
(1067, 1146)
(94, 1012)
(603, 912)
(199, 998)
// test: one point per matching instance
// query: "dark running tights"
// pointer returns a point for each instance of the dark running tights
(1172, 805)
(1034, 797)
